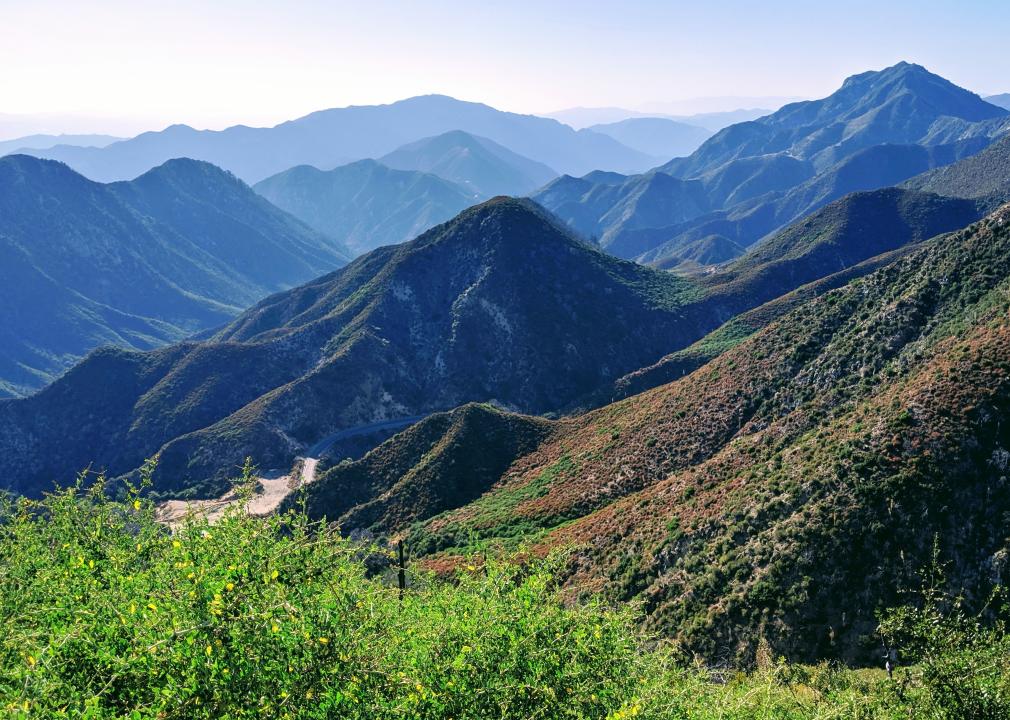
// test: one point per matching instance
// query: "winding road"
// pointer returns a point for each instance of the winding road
(276, 485)
(312, 455)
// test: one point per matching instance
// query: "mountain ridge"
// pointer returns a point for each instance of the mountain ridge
(336, 136)
(365, 204)
(137, 264)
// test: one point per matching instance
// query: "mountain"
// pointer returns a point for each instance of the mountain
(1002, 100)
(981, 175)
(603, 207)
(501, 304)
(365, 204)
(844, 240)
(878, 129)
(44, 142)
(897, 105)
(783, 493)
(659, 137)
(483, 167)
(180, 249)
(443, 461)
(652, 217)
(334, 137)
(753, 218)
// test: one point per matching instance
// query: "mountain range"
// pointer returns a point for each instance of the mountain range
(408, 330)
(753, 178)
(369, 203)
(328, 138)
(180, 249)
(500, 304)
(481, 166)
(44, 142)
(365, 204)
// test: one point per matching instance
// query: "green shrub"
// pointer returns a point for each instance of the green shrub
(961, 663)
(108, 614)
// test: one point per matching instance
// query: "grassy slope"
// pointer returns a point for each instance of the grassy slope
(791, 486)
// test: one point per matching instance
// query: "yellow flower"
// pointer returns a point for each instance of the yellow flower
(208, 650)
(324, 641)
(308, 695)
(152, 607)
(176, 544)
(274, 574)
(136, 504)
(229, 587)
(31, 661)
(274, 628)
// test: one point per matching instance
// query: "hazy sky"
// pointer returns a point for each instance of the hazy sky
(211, 63)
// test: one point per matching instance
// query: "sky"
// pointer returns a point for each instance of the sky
(125, 66)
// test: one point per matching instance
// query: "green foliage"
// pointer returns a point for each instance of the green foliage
(962, 663)
(108, 614)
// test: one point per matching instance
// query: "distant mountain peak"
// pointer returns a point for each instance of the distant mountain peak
(188, 171)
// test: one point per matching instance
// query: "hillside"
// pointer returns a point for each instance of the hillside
(483, 167)
(446, 460)
(365, 204)
(787, 490)
(659, 137)
(498, 305)
(982, 175)
(180, 249)
(752, 429)
(328, 138)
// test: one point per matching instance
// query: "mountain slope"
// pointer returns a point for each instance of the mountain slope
(365, 204)
(659, 137)
(180, 249)
(789, 489)
(984, 174)
(848, 239)
(445, 460)
(337, 136)
(897, 105)
(748, 221)
(878, 129)
(500, 305)
(483, 167)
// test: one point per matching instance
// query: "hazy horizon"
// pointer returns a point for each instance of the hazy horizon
(112, 66)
